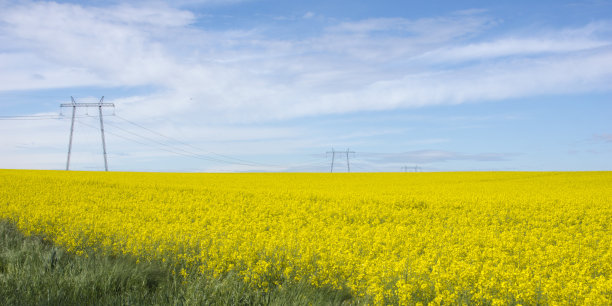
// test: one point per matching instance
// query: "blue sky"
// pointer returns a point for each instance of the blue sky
(234, 86)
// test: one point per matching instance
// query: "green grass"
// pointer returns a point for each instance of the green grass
(34, 271)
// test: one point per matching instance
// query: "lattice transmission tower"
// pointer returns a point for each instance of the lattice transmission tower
(334, 152)
(74, 106)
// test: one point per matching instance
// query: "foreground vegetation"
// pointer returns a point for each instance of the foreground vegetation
(34, 271)
(482, 238)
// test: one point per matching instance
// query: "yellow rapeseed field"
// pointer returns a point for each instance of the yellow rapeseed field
(488, 237)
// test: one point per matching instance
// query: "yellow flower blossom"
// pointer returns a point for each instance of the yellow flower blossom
(409, 239)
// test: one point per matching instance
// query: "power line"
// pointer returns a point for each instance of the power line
(175, 150)
(186, 152)
(306, 164)
(28, 116)
(138, 142)
(55, 117)
(31, 117)
(239, 160)
(361, 167)
(168, 147)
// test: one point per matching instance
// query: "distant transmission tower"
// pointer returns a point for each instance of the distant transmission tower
(99, 105)
(416, 168)
(333, 153)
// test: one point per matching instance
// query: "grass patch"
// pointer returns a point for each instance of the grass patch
(34, 271)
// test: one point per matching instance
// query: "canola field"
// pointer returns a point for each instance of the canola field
(400, 238)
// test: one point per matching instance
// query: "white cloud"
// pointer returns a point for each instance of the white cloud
(439, 28)
(511, 47)
(238, 75)
(431, 156)
(539, 44)
(204, 80)
(190, 3)
(76, 46)
(606, 138)
(308, 15)
(156, 17)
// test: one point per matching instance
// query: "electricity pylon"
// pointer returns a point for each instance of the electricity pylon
(416, 168)
(99, 105)
(348, 164)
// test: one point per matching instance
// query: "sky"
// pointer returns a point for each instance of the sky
(276, 86)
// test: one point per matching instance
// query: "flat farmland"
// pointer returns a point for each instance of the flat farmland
(396, 238)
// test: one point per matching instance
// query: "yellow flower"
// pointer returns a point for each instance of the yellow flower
(491, 238)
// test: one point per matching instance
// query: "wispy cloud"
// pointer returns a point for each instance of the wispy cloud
(512, 47)
(607, 138)
(244, 74)
(432, 156)
(202, 79)
(544, 43)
